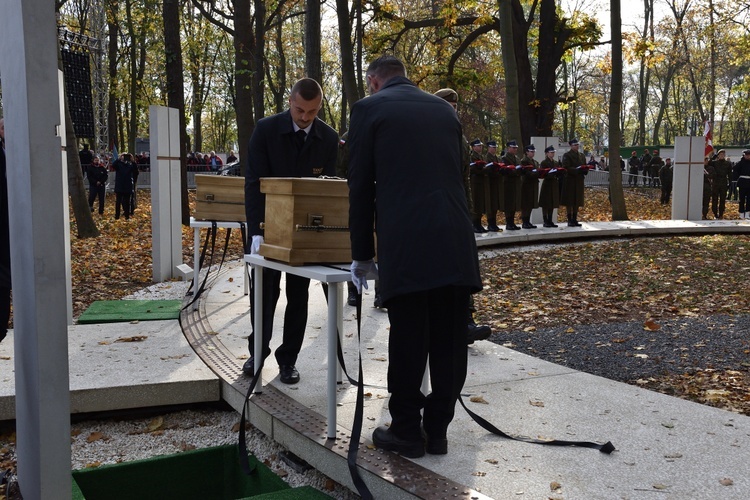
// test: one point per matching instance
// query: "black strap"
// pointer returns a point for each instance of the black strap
(607, 447)
(242, 445)
(359, 483)
(211, 235)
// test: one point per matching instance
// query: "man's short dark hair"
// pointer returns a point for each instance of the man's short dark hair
(386, 67)
(307, 88)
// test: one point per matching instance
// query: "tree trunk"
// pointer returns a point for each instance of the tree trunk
(348, 72)
(133, 94)
(243, 42)
(513, 114)
(617, 197)
(112, 62)
(175, 90)
(313, 68)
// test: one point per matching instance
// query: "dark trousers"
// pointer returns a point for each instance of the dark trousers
(744, 199)
(718, 201)
(432, 322)
(122, 201)
(94, 193)
(295, 316)
(4, 309)
(666, 191)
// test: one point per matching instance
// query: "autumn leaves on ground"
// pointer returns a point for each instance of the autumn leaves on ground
(645, 280)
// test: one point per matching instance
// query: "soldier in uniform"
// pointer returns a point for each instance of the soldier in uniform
(665, 180)
(494, 184)
(572, 190)
(529, 186)
(549, 195)
(633, 163)
(512, 185)
(474, 332)
(720, 170)
(654, 166)
(479, 185)
(645, 160)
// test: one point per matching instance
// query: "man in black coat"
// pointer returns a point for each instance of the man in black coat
(97, 175)
(410, 143)
(5, 283)
(295, 143)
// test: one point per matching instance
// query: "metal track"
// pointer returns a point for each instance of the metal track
(386, 472)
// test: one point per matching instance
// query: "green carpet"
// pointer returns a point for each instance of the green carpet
(115, 311)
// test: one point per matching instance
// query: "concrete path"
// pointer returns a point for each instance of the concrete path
(666, 447)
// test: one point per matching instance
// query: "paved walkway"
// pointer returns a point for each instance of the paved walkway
(666, 447)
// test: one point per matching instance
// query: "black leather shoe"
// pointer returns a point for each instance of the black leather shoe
(386, 440)
(248, 368)
(494, 229)
(477, 332)
(437, 446)
(351, 299)
(479, 229)
(511, 227)
(378, 303)
(288, 374)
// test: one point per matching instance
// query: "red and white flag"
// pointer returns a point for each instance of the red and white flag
(709, 138)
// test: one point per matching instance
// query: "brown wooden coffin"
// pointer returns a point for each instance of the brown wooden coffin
(220, 197)
(306, 220)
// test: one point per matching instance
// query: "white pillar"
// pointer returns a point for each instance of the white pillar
(687, 187)
(541, 143)
(28, 64)
(65, 197)
(166, 207)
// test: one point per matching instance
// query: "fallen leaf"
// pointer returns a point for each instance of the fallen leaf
(539, 404)
(155, 424)
(479, 474)
(726, 482)
(478, 399)
(555, 486)
(134, 338)
(491, 461)
(95, 436)
(651, 326)
(660, 486)
(570, 330)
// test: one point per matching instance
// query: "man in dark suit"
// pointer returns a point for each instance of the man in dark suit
(5, 284)
(426, 278)
(295, 143)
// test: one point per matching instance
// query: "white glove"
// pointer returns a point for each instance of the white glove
(256, 243)
(360, 270)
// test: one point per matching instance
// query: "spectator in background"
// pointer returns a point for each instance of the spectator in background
(665, 180)
(231, 158)
(214, 162)
(124, 168)
(86, 157)
(741, 174)
(97, 175)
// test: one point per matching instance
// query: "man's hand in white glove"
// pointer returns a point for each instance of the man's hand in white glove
(360, 270)
(256, 243)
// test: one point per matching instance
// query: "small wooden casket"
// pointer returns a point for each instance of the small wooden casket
(307, 220)
(220, 197)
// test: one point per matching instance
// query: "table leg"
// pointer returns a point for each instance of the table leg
(340, 328)
(334, 312)
(258, 326)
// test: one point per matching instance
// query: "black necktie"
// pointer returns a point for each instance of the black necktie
(299, 139)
